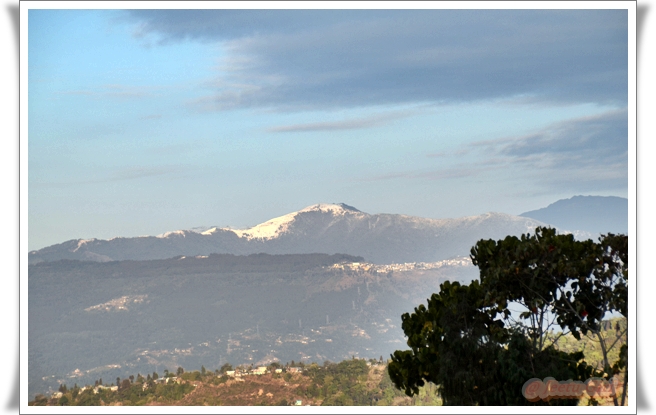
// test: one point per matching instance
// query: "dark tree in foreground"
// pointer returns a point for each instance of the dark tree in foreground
(478, 352)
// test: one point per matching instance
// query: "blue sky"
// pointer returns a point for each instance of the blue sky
(145, 121)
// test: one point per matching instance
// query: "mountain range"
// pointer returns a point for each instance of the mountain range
(320, 228)
(340, 228)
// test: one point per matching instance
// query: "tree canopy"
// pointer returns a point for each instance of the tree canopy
(481, 342)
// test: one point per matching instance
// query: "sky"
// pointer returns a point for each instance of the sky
(146, 121)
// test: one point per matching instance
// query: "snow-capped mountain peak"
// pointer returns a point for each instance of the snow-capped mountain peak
(275, 227)
(334, 208)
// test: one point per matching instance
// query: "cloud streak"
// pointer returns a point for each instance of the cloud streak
(353, 124)
(581, 143)
(586, 153)
(583, 154)
(317, 59)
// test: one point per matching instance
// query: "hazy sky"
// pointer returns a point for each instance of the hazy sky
(146, 121)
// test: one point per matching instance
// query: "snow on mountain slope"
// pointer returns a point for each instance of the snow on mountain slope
(172, 233)
(269, 229)
(281, 225)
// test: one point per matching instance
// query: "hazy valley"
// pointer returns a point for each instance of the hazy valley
(326, 283)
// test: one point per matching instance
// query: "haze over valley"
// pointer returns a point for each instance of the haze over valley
(300, 287)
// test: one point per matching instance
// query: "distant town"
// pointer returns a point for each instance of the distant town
(407, 266)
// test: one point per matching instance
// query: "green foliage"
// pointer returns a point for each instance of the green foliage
(195, 375)
(88, 398)
(467, 341)
(173, 392)
(453, 344)
(64, 401)
(341, 384)
(611, 330)
(389, 392)
(578, 280)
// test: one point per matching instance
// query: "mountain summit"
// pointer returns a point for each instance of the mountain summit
(276, 227)
(592, 214)
(321, 228)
